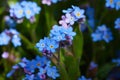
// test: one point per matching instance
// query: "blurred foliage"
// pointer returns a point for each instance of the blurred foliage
(75, 60)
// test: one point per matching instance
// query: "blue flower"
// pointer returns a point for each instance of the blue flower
(102, 33)
(117, 6)
(93, 65)
(72, 15)
(36, 9)
(10, 35)
(15, 37)
(42, 71)
(117, 23)
(22, 64)
(24, 3)
(41, 45)
(54, 1)
(42, 74)
(10, 22)
(19, 12)
(96, 37)
(13, 31)
(70, 19)
(41, 61)
(52, 45)
(79, 13)
(28, 12)
(58, 37)
(107, 36)
(42, 64)
(56, 33)
(16, 10)
(29, 77)
(30, 9)
(4, 39)
(52, 72)
(84, 78)
(47, 46)
(31, 66)
(24, 9)
(10, 73)
(102, 28)
(69, 10)
(69, 33)
(16, 41)
(60, 33)
(110, 3)
(37, 69)
(45, 61)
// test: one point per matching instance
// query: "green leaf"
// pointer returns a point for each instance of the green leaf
(2, 78)
(78, 44)
(104, 70)
(49, 17)
(63, 72)
(1, 10)
(72, 67)
(11, 2)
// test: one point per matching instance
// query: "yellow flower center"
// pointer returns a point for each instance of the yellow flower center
(111, 1)
(78, 14)
(51, 46)
(28, 12)
(20, 11)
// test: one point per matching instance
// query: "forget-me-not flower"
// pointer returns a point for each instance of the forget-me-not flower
(72, 15)
(36, 69)
(117, 23)
(102, 33)
(25, 9)
(110, 3)
(117, 4)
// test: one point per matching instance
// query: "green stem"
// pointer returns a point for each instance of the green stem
(102, 16)
(28, 43)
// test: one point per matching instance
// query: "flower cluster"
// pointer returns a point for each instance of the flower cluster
(58, 37)
(71, 16)
(102, 33)
(47, 46)
(49, 2)
(84, 78)
(24, 9)
(38, 69)
(113, 4)
(90, 14)
(117, 23)
(10, 35)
